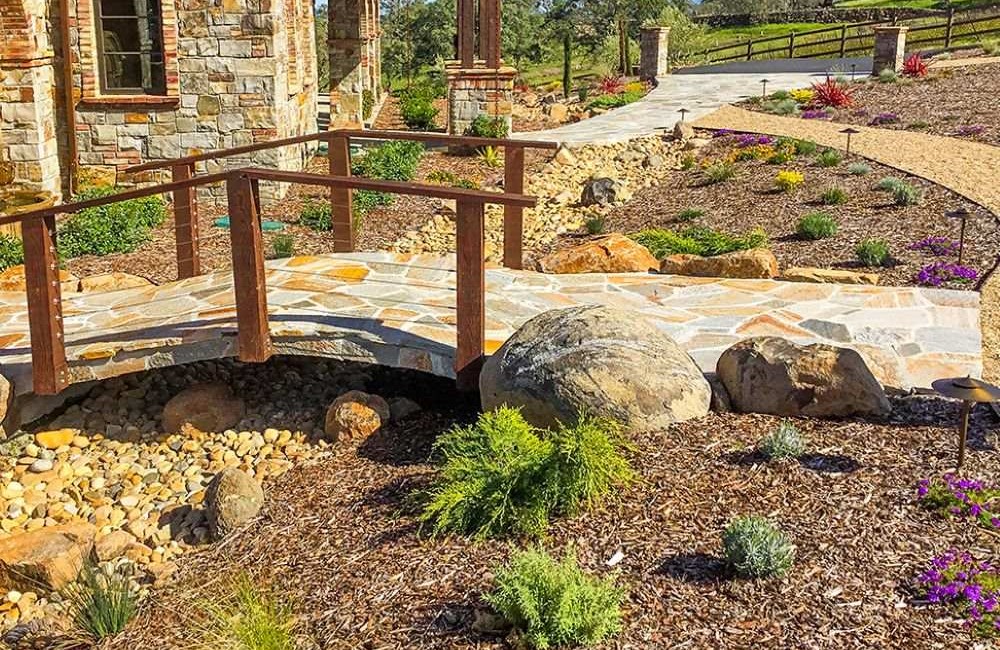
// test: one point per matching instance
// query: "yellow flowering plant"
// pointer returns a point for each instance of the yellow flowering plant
(788, 180)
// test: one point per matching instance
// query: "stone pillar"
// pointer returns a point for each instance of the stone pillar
(478, 91)
(890, 47)
(653, 52)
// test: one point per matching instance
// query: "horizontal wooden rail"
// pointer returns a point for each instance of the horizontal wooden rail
(226, 153)
(444, 138)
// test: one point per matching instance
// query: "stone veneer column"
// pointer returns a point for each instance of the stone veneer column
(654, 52)
(478, 91)
(890, 47)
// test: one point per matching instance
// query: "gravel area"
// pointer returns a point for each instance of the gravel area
(338, 540)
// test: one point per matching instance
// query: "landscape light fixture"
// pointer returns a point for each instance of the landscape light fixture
(971, 392)
(963, 214)
(683, 112)
(854, 70)
(849, 131)
(763, 91)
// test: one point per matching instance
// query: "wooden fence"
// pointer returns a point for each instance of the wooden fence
(48, 346)
(855, 38)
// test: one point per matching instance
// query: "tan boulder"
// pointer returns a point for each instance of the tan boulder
(13, 279)
(611, 254)
(205, 407)
(355, 415)
(113, 545)
(46, 559)
(565, 156)
(116, 281)
(683, 131)
(558, 112)
(56, 438)
(828, 276)
(754, 263)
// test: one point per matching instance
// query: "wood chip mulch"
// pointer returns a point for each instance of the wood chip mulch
(750, 200)
(338, 540)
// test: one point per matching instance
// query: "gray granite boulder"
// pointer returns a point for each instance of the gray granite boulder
(768, 374)
(606, 361)
(232, 499)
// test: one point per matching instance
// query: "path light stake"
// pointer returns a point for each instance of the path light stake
(683, 112)
(849, 131)
(963, 214)
(970, 391)
(763, 91)
(854, 70)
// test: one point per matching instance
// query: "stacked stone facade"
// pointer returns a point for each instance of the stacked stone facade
(479, 91)
(654, 52)
(355, 46)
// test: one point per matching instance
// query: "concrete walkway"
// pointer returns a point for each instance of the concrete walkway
(399, 310)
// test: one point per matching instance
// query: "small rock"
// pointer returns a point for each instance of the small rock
(683, 131)
(565, 156)
(55, 439)
(696, 143)
(41, 465)
(232, 499)
(489, 623)
(355, 415)
(557, 112)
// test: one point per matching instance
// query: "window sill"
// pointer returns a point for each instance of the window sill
(163, 101)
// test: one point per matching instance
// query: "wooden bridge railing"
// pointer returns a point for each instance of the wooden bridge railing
(48, 345)
(339, 155)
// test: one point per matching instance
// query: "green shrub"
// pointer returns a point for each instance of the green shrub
(466, 184)
(919, 125)
(833, 196)
(109, 229)
(889, 184)
(720, 172)
(690, 214)
(780, 95)
(755, 548)
(501, 476)
(905, 194)
(491, 157)
(829, 158)
(11, 251)
(246, 618)
(417, 109)
(316, 215)
(816, 225)
(698, 241)
(552, 603)
(616, 100)
(781, 107)
(805, 147)
(442, 176)
(873, 252)
(859, 169)
(101, 603)
(992, 47)
(595, 224)
(282, 246)
(688, 162)
(390, 161)
(367, 104)
(783, 442)
(485, 126)
(888, 76)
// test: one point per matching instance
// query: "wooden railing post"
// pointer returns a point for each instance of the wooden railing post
(470, 293)
(843, 41)
(41, 274)
(791, 45)
(341, 201)
(254, 342)
(513, 216)
(186, 223)
(950, 27)
(749, 49)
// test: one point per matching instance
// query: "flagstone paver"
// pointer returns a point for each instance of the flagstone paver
(399, 310)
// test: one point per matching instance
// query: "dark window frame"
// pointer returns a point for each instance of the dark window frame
(158, 80)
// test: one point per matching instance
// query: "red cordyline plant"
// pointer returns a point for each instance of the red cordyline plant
(611, 85)
(832, 93)
(914, 66)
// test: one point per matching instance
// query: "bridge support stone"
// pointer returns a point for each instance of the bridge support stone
(479, 91)
(654, 58)
(890, 48)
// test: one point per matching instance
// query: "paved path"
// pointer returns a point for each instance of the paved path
(399, 310)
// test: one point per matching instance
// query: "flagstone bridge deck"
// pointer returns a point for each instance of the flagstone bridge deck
(399, 310)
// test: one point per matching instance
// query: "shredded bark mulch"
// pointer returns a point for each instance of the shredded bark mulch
(750, 199)
(338, 540)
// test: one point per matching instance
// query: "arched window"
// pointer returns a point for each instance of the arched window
(130, 41)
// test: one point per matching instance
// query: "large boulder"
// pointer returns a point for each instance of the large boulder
(768, 374)
(606, 361)
(45, 559)
(13, 279)
(603, 190)
(206, 407)
(828, 276)
(355, 415)
(232, 499)
(754, 263)
(611, 254)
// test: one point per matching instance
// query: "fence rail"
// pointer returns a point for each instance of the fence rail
(800, 45)
(50, 370)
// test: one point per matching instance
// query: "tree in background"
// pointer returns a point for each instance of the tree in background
(416, 34)
(522, 36)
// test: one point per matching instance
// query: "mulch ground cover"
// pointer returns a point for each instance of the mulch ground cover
(338, 539)
(750, 199)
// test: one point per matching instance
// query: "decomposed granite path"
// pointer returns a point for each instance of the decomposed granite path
(970, 169)
(399, 310)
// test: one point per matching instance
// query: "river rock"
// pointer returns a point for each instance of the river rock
(611, 254)
(606, 361)
(355, 415)
(206, 407)
(46, 559)
(772, 375)
(232, 499)
(754, 263)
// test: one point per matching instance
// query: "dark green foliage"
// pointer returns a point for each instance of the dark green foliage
(282, 246)
(698, 241)
(834, 196)
(816, 225)
(688, 162)
(416, 105)
(719, 172)
(391, 161)
(485, 126)
(873, 252)
(109, 229)
(316, 215)
(101, 604)
(595, 224)
(616, 100)
(11, 251)
(552, 603)
(829, 158)
(690, 214)
(501, 476)
(805, 147)
(755, 548)
(367, 104)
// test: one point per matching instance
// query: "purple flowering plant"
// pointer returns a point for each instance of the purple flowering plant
(939, 273)
(970, 586)
(936, 246)
(815, 114)
(961, 497)
(970, 129)
(752, 140)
